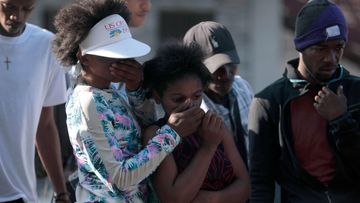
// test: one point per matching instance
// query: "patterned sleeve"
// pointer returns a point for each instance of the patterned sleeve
(122, 166)
(145, 109)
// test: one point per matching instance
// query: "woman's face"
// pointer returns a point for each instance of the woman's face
(186, 89)
(139, 10)
(97, 70)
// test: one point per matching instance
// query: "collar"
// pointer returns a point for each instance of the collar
(298, 82)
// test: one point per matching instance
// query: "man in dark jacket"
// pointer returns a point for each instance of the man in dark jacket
(304, 128)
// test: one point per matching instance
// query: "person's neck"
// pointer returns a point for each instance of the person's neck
(306, 74)
(3, 32)
(302, 73)
(309, 77)
(218, 99)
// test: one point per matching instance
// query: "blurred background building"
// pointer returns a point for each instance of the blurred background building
(262, 29)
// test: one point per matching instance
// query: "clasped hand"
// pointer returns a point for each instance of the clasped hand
(212, 129)
(330, 105)
(187, 119)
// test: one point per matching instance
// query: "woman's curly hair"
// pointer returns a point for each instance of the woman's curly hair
(73, 23)
(173, 61)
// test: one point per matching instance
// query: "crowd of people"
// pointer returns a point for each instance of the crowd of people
(214, 140)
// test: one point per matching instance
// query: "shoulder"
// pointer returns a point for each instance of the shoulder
(240, 83)
(38, 38)
(83, 97)
(351, 85)
(274, 88)
(353, 78)
(272, 96)
(78, 99)
(39, 32)
(242, 91)
(242, 88)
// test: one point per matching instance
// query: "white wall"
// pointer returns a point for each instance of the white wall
(266, 44)
(37, 14)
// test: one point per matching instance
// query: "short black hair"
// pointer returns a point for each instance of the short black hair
(74, 21)
(173, 61)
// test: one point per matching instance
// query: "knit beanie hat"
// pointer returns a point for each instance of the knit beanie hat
(319, 21)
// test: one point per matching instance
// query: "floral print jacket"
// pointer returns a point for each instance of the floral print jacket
(113, 165)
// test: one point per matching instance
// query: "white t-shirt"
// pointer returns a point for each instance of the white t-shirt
(31, 80)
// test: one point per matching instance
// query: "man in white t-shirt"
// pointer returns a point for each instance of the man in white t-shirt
(31, 83)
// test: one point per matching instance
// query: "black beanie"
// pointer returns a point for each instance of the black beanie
(319, 21)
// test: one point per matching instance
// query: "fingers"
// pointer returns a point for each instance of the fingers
(318, 99)
(181, 107)
(192, 110)
(316, 105)
(127, 66)
(127, 70)
(186, 119)
(194, 115)
(325, 92)
(213, 120)
(206, 119)
(218, 122)
(330, 104)
(212, 129)
(198, 114)
(322, 94)
(129, 63)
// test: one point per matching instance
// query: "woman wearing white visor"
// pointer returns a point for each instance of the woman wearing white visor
(113, 166)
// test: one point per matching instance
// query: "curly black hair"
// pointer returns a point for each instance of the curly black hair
(173, 61)
(74, 21)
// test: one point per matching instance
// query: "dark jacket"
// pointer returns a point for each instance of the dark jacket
(272, 156)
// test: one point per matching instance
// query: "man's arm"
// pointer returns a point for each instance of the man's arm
(263, 153)
(345, 131)
(48, 146)
(343, 125)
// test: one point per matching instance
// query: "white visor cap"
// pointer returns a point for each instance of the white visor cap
(111, 38)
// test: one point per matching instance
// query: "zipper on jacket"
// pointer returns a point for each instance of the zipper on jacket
(328, 196)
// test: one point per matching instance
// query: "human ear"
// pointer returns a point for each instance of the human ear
(83, 59)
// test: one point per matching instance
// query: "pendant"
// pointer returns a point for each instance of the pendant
(7, 61)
